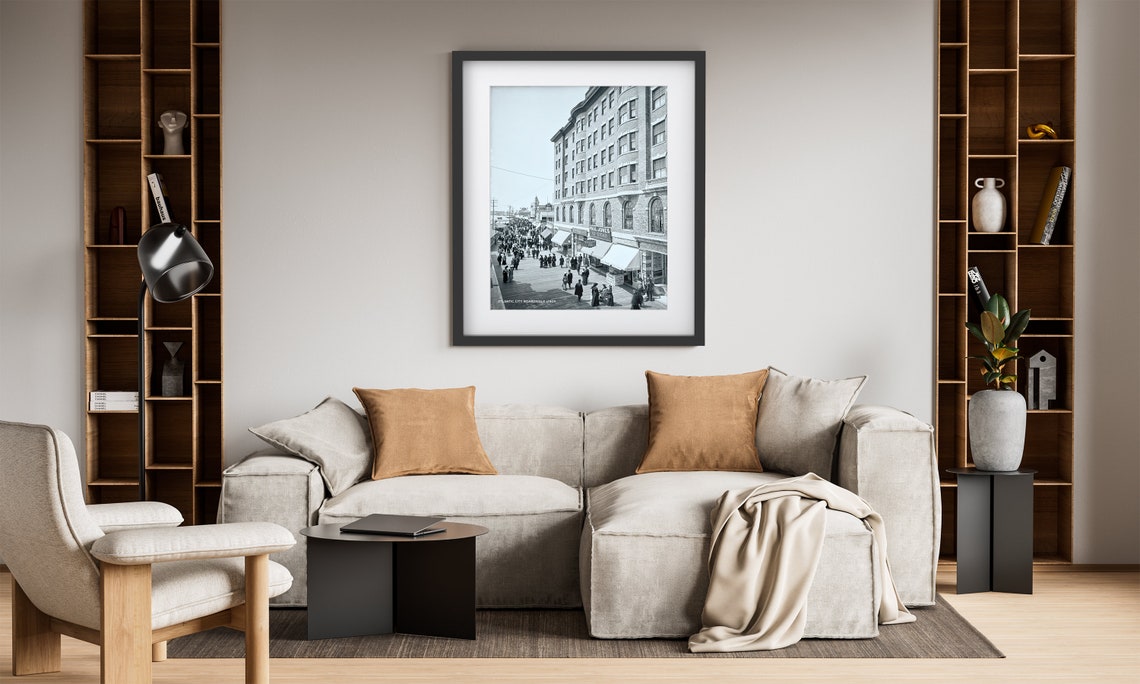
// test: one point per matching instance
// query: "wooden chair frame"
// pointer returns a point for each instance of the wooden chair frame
(125, 655)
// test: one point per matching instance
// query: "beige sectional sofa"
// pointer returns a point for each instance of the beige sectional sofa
(572, 525)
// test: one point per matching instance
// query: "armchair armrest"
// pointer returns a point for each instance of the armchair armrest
(131, 515)
(887, 457)
(159, 545)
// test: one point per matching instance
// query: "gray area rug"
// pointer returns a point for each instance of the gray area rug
(940, 632)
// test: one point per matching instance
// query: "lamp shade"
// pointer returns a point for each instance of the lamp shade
(173, 264)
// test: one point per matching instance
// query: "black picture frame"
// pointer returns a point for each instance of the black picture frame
(473, 75)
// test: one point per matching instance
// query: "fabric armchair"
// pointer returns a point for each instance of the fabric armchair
(128, 590)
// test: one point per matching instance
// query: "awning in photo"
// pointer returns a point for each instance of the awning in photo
(598, 251)
(623, 258)
(560, 238)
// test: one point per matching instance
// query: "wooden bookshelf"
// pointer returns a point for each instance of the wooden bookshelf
(141, 58)
(1003, 65)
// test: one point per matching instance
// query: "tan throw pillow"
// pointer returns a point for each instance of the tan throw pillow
(424, 432)
(702, 422)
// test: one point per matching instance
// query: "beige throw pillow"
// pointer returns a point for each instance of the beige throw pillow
(799, 421)
(332, 435)
(424, 432)
(702, 422)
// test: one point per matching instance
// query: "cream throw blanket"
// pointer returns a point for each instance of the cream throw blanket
(766, 543)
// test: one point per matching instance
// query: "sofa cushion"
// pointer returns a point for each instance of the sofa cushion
(424, 432)
(675, 504)
(522, 439)
(702, 422)
(332, 435)
(798, 424)
(644, 559)
(453, 496)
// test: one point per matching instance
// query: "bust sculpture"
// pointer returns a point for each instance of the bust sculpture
(172, 122)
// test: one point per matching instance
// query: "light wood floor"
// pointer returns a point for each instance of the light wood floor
(1076, 627)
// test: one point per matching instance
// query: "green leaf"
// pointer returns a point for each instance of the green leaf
(1003, 354)
(992, 377)
(1008, 379)
(992, 329)
(975, 331)
(998, 306)
(1016, 327)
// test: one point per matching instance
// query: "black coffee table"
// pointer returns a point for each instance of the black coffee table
(363, 584)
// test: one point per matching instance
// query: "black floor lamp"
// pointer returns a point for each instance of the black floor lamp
(174, 267)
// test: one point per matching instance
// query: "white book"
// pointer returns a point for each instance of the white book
(103, 394)
(158, 191)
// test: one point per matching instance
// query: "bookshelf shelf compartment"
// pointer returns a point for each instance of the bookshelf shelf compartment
(1020, 70)
(1047, 27)
(112, 27)
(144, 57)
(112, 107)
(1042, 87)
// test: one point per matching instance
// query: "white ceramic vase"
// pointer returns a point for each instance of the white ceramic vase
(988, 206)
(997, 429)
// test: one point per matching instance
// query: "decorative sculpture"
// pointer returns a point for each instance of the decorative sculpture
(1042, 380)
(172, 371)
(172, 122)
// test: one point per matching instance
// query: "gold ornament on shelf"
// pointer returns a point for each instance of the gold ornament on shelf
(1040, 130)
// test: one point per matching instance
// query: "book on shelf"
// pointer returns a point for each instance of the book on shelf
(974, 275)
(158, 193)
(113, 401)
(1049, 211)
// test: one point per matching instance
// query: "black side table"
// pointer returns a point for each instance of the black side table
(377, 584)
(995, 530)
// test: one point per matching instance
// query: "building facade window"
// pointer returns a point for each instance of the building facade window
(659, 168)
(593, 222)
(658, 97)
(659, 133)
(581, 211)
(627, 215)
(627, 174)
(606, 214)
(571, 213)
(656, 215)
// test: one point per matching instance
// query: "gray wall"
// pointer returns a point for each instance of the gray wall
(820, 175)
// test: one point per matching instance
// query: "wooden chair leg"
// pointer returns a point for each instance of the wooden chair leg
(158, 652)
(35, 648)
(125, 656)
(257, 619)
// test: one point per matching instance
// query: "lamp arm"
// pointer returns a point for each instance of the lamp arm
(142, 391)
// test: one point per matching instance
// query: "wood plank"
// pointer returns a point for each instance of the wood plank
(126, 653)
(35, 648)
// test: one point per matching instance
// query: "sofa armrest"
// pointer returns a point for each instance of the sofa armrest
(130, 515)
(269, 486)
(161, 545)
(887, 457)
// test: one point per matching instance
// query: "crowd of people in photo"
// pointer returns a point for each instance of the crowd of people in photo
(520, 239)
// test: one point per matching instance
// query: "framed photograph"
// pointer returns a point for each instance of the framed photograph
(578, 190)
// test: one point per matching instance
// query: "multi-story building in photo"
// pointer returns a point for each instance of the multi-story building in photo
(610, 184)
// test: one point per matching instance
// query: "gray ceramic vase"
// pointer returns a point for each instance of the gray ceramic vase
(997, 429)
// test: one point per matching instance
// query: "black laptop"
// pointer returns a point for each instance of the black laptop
(396, 525)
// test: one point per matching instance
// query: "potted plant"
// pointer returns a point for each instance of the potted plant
(997, 416)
